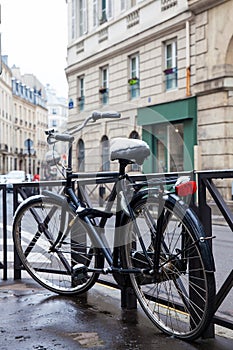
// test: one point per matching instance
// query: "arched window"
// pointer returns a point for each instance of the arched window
(81, 155)
(134, 135)
(105, 159)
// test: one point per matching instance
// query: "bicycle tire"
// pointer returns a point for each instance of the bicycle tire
(35, 228)
(180, 300)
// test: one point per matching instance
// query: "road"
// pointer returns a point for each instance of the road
(222, 248)
(223, 255)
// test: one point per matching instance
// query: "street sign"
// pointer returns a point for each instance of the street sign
(28, 143)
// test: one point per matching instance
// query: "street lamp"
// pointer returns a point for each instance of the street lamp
(28, 144)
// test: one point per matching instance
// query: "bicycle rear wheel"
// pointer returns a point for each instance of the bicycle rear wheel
(60, 268)
(179, 299)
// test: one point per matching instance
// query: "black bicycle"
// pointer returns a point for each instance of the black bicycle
(158, 243)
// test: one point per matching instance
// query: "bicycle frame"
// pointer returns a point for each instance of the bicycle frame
(88, 214)
(117, 196)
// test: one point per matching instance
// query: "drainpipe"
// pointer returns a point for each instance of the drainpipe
(188, 93)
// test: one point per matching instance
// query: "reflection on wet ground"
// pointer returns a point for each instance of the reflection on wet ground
(33, 318)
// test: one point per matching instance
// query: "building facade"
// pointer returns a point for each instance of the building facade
(57, 110)
(57, 120)
(6, 98)
(23, 119)
(167, 66)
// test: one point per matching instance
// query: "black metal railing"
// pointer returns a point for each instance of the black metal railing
(205, 186)
(206, 189)
(3, 231)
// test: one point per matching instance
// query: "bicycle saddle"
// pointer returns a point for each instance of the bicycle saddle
(132, 150)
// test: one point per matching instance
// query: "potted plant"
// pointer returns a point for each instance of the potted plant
(133, 81)
(102, 90)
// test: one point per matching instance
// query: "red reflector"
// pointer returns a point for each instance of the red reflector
(186, 188)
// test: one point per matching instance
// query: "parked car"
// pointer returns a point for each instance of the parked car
(14, 176)
(2, 179)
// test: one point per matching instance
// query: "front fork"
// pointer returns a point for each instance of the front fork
(157, 239)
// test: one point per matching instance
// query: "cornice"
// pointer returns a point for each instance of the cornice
(169, 27)
(198, 6)
(224, 83)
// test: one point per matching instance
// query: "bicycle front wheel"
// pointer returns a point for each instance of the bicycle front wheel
(58, 264)
(179, 297)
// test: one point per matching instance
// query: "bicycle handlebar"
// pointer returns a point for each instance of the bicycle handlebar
(59, 137)
(67, 137)
(99, 115)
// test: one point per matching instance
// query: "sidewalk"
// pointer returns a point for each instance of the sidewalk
(34, 318)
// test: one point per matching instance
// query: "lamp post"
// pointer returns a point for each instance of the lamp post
(29, 150)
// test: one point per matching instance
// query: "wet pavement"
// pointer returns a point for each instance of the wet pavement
(34, 318)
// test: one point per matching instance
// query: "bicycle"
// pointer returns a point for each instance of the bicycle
(160, 248)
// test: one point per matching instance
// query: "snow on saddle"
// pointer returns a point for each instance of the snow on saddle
(132, 150)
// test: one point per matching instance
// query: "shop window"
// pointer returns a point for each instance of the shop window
(170, 148)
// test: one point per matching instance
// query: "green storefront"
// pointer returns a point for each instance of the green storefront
(170, 131)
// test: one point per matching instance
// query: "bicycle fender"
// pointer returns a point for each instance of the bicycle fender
(26, 201)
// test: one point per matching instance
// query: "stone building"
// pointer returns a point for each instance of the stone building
(167, 66)
(6, 139)
(57, 120)
(23, 119)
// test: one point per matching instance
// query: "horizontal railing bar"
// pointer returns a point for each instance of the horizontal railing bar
(226, 212)
(220, 321)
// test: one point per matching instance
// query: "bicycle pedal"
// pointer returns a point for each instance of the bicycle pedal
(80, 274)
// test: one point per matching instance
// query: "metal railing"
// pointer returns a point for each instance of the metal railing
(205, 185)
(3, 232)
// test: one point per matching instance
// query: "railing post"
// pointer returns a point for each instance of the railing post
(204, 212)
(17, 262)
(3, 265)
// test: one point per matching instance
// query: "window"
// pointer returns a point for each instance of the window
(171, 65)
(104, 86)
(81, 93)
(133, 81)
(133, 3)
(54, 122)
(95, 13)
(81, 155)
(105, 158)
(134, 135)
(106, 10)
(123, 5)
(109, 9)
(82, 17)
(73, 19)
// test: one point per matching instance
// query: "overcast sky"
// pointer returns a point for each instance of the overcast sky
(34, 36)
